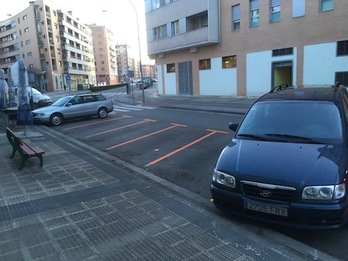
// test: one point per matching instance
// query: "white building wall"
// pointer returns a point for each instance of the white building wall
(259, 71)
(159, 79)
(170, 83)
(218, 81)
(321, 63)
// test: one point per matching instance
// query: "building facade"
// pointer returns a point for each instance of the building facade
(125, 63)
(246, 47)
(56, 47)
(105, 55)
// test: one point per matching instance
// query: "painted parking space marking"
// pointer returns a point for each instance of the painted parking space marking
(173, 125)
(96, 123)
(127, 107)
(122, 127)
(211, 133)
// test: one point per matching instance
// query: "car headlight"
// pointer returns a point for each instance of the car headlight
(224, 179)
(324, 192)
(35, 114)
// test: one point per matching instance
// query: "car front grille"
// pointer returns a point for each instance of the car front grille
(267, 191)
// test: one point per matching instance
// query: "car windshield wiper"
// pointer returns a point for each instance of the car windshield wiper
(253, 136)
(293, 138)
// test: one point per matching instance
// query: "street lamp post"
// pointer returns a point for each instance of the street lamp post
(139, 46)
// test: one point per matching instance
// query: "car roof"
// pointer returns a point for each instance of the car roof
(87, 94)
(305, 92)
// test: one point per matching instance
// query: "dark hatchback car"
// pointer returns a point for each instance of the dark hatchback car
(287, 162)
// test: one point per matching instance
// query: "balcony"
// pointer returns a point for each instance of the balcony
(194, 38)
(176, 27)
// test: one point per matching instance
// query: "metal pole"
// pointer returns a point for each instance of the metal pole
(31, 99)
(140, 64)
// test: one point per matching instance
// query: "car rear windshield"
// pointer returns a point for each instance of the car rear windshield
(310, 119)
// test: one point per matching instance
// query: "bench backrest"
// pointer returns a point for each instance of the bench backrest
(13, 138)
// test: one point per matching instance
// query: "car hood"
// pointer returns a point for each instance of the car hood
(289, 164)
(41, 97)
(48, 109)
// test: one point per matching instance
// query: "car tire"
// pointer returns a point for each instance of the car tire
(102, 113)
(56, 119)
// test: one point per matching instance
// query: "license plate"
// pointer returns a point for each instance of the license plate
(265, 208)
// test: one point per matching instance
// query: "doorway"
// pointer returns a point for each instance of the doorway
(282, 73)
(185, 78)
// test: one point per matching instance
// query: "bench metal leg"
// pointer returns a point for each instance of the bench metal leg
(13, 153)
(41, 160)
(23, 160)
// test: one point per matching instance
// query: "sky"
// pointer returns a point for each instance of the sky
(118, 15)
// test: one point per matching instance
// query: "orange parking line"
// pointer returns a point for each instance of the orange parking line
(212, 132)
(174, 125)
(120, 128)
(98, 122)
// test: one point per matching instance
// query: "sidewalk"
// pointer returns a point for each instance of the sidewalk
(84, 204)
(223, 104)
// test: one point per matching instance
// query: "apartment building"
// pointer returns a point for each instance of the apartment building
(125, 63)
(246, 47)
(56, 47)
(104, 55)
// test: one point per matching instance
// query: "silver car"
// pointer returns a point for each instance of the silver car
(72, 107)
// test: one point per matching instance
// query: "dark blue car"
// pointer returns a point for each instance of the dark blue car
(287, 162)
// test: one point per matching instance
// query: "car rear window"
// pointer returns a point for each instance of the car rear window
(98, 97)
(312, 119)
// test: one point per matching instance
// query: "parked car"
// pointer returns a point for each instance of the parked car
(146, 80)
(38, 99)
(287, 163)
(72, 107)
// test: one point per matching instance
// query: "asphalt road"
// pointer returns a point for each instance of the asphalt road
(179, 146)
(182, 147)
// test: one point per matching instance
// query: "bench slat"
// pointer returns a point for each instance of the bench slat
(32, 146)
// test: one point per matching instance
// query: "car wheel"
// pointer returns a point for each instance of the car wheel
(102, 113)
(56, 119)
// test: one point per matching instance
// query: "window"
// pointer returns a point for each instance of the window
(171, 68)
(326, 5)
(26, 29)
(25, 17)
(27, 42)
(197, 21)
(28, 54)
(158, 3)
(283, 51)
(298, 8)
(275, 11)
(236, 18)
(204, 64)
(229, 61)
(160, 32)
(175, 28)
(342, 48)
(254, 13)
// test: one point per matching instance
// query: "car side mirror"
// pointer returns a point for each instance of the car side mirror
(68, 104)
(233, 126)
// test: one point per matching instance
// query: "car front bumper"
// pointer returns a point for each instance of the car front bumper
(299, 215)
(41, 119)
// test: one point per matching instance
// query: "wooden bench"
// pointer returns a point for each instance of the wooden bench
(24, 147)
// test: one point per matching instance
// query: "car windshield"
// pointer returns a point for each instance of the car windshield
(293, 121)
(61, 101)
(34, 91)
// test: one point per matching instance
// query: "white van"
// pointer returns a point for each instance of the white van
(39, 99)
